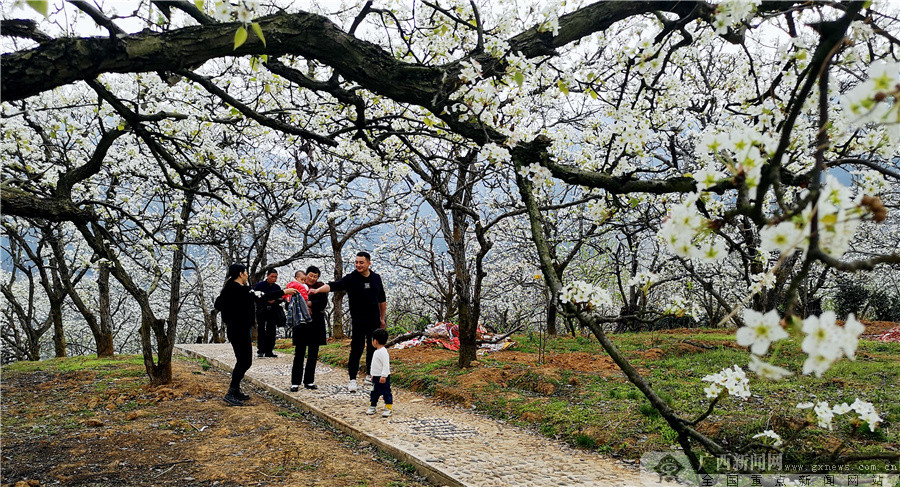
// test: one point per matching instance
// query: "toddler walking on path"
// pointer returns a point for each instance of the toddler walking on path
(381, 374)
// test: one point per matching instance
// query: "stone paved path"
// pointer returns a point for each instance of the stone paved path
(450, 446)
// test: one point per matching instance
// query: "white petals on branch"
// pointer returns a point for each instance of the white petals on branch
(760, 331)
(732, 380)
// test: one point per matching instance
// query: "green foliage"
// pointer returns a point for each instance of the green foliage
(240, 37)
(885, 307)
(258, 31)
(648, 410)
(850, 298)
(585, 441)
(290, 414)
(40, 6)
(670, 322)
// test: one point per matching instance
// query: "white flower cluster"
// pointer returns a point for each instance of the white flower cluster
(497, 155)
(743, 148)
(731, 380)
(224, 11)
(759, 331)
(825, 342)
(550, 14)
(871, 182)
(839, 217)
(707, 177)
(540, 175)
(784, 236)
(688, 233)
(875, 99)
(597, 211)
(580, 292)
(825, 414)
(732, 12)
(763, 280)
(839, 214)
(470, 72)
(643, 280)
(679, 306)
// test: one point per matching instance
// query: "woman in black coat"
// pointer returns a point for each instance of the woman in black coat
(237, 303)
(309, 336)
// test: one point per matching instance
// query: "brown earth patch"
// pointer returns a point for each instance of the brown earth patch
(457, 395)
(654, 354)
(875, 328)
(595, 363)
(59, 428)
(423, 354)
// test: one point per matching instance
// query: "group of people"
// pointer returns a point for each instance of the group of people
(307, 300)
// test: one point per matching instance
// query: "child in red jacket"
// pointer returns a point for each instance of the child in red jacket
(301, 287)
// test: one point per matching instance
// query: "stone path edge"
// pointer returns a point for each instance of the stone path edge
(429, 471)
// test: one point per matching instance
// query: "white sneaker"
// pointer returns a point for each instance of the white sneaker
(387, 413)
(369, 379)
(371, 410)
(352, 385)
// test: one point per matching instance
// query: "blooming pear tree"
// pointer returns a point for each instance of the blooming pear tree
(731, 126)
(768, 180)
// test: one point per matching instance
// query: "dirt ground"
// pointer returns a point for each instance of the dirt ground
(875, 328)
(90, 427)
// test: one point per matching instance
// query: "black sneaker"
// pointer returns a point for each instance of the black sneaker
(241, 396)
(295, 388)
(260, 354)
(232, 400)
(311, 386)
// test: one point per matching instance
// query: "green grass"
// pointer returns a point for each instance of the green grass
(73, 364)
(606, 413)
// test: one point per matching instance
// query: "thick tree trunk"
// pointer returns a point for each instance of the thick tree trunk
(57, 295)
(59, 335)
(160, 372)
(103, 332)
(34, 346)
(337, 299)
(551, 318)
(468, 318)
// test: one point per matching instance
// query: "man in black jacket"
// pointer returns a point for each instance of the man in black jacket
(269, 315)
(367, 307)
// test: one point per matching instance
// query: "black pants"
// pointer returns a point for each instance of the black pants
(243, 354)
(362, 337)
(309, 376)
(267, 327)
(379, 390)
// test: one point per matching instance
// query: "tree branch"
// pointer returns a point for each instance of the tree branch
(26, 29)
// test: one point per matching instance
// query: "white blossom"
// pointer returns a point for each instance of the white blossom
(866, 413)
(580, 292)
(732, 380)
(767, 370)
(760, 330)
(770, 434)
(824, 415)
